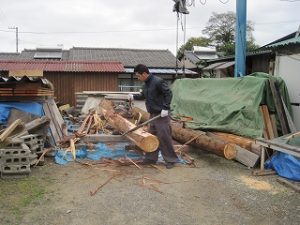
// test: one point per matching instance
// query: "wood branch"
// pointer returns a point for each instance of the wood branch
(144, 140)
(92, 193)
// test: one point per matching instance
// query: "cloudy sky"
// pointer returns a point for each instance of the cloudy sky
(142, 24)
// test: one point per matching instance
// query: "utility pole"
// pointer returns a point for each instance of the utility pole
(240, 38)
(17, 37)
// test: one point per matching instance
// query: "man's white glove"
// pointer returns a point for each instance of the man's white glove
(130, 97)
(164, 113)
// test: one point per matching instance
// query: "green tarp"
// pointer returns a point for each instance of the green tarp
(226, 104)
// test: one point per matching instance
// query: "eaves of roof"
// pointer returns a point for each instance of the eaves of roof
(63, 66)
(165, 71)
(295, 40)
(229, 58)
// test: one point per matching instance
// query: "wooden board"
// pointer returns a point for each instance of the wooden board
(246, 157)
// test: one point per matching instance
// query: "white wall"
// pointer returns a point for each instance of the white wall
(288, 67)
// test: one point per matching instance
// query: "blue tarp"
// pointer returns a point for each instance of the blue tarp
(285, 165)
(102, 151)
(29, 107)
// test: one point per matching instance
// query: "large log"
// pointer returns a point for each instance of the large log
(217, 146)
(243, 142)
(144, 140)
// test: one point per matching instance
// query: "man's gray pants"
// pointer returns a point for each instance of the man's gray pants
(162, 129)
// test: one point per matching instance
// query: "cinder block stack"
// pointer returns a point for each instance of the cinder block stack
(17, 157)
(35, 143)
(15, 160)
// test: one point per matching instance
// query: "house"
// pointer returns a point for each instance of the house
(192, 59)
(279, 58)
(287, 66)
(257, 61)
(89, 69)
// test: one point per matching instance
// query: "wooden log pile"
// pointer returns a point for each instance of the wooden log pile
(225, 145)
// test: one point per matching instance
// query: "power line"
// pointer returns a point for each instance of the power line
(133, 30)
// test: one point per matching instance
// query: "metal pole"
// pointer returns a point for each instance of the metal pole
(240, 38)
(17, 37)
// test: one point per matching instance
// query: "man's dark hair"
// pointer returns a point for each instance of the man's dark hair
(141, 68)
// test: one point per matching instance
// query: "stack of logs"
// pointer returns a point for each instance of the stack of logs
(226, 145)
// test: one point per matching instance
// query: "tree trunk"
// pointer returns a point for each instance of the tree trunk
(245, 143)
(146, 141)
(215, 145)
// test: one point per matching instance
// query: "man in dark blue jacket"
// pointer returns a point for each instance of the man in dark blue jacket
(157, 95)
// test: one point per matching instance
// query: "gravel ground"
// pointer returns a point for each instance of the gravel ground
(217, 191)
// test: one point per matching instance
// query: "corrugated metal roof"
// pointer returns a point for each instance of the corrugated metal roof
(213, 66)
(248, 54)
(64, 66)
(164, 71)
(25, 79)
(295, 40)
(225, 65)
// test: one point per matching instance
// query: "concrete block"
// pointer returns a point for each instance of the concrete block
(15, 160)
(15, 169)
(14, 152)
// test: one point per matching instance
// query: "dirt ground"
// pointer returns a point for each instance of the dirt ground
(217, 191)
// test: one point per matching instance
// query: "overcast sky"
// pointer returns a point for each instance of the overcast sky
(142, 24)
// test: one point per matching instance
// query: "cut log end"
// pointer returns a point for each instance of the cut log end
(149, 144)
(230, 151)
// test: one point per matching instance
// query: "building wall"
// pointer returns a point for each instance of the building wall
(288, 67)
(260, 63)
(67, 83)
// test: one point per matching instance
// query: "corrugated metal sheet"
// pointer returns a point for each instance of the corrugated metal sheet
(63, 66)
(43, 81)
(295, 40)
(213, 66)
(225, 65)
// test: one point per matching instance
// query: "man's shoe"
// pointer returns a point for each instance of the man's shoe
(170, 165)
(148, 161)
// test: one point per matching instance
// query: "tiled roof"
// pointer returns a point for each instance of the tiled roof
(66, 66)
(9, 56)
(129, 57)
(192, 57)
